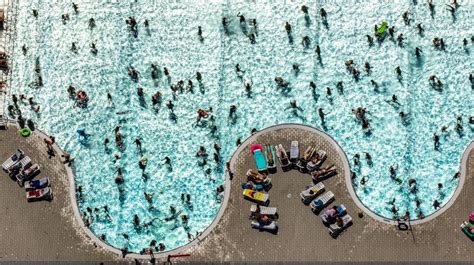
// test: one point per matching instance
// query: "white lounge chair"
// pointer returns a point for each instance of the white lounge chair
(263, 210)
(23, 164)
(321, 202)
(37, 184)
(12, 160)
(258, 178)
(27, 174)
(271, 159)
(340, 210)
(301, 165)
(335, 230)
(294, 151)
(308, 195)
(316, 161)
(272, 227)
(39, 194)
(320, 176)
(283, 157)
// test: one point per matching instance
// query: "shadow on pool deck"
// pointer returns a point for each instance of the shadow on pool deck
(303, 237)
(40, 231)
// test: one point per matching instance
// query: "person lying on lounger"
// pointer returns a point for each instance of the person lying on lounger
(324, 171)
(263, 219)
(255, 176)
(316, 158)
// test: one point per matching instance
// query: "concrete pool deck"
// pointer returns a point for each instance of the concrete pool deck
(40, 231)
(49, 231)
(303, 237)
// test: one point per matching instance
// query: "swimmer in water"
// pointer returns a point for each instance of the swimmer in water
(198, 77)
(288, 28)
(65, 18)
(241, 18)
(436, 141)
(91, 23)
(322, 115)
(73, 47)
(225, 23)
(418, 52)
(75, 7)
(119, 177)
(306, 42)
(138, 143)
(420, 29)
(93, 48)
(367, 68)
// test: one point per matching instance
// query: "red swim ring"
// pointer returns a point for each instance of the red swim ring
(256, 147)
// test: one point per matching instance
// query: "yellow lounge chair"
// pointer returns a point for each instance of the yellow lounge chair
(256, 196)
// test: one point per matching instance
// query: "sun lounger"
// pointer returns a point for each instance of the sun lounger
(260, 160)
(335, 230)
(308, 195)
(256, 196)
(272, 227)
(23, 164)
(318, 204)
(283, 157)
(266, 186)
(39, 194)
(321, 175)
(316, 161)
(340, 211)
(466, 229)
(269, 211)
(37, 184)
(301, 165)
(258, 178)
(27, 174)
(294, 151)
(271, 159)
(12, 160)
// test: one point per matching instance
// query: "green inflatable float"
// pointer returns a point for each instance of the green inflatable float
(25, 132)
(382, 28)
(380, 31)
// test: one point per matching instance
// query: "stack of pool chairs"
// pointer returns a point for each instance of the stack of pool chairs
(256, 189)
(21, 169)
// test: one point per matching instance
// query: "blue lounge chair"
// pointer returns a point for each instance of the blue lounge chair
(260, 159)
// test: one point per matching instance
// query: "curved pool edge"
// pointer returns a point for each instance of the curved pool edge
(444, 208)
(347, 175)
(93, 237)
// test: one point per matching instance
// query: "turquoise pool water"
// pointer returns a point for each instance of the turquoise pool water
(172, 42)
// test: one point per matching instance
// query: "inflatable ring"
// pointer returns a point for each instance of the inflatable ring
(25, 132)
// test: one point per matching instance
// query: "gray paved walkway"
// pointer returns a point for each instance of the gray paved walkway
(302, 236)
(40, 231)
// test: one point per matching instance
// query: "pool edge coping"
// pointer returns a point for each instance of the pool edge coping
(220, 213)
(347, 170)
(93, 237)
(444, 208)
